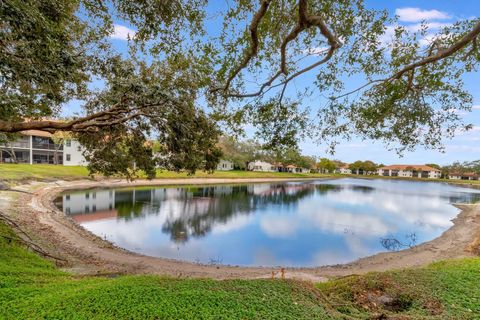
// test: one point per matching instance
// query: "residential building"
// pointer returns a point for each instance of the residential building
(280, 167)
(409, 171)
(261, 166)
(344, 169)
(39, 147)
(464, 176)
(73, 153)
(294, 169)
(225, 165)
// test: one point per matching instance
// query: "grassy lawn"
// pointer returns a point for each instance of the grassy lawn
(33, 288)
(22, 172)
(17, 172)
(12, 172)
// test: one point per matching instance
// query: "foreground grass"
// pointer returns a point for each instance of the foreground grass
(33, 288)
(443, 290)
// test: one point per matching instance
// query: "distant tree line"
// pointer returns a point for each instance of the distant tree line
(241, 152)
(462, 167)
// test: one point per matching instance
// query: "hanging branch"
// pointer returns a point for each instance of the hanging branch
(305, 21)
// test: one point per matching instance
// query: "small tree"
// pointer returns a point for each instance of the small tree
(326, 165)
(356, 166)
(369, 166)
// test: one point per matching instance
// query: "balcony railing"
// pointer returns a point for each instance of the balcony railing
(47, 146)
(19, 144)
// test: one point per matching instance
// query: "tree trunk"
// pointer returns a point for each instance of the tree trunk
(12, 154)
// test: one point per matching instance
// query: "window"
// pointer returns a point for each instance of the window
(87, 209)
(79, 148)
(67, 210)
(68, 143)
(87, 195)
(94, 208)
(94, 195)
(68, 157)
(67, 197)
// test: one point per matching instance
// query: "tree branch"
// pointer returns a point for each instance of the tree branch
(305, 21)
(253, 46)
(470, 37)
(117, 114)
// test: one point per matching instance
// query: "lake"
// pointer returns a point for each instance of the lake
(308, 223)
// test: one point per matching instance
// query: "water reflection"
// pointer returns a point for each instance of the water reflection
(307, 223)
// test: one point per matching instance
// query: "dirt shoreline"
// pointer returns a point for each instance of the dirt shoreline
(87, 253)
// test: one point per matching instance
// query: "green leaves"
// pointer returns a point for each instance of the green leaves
(41, 66)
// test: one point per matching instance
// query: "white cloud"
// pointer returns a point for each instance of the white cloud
(475, 128)
(316, 50)
(236, 223)
(476, 107)
(122, 32)
(430, 38)
(417, 14)
(278, 227)
(457, 111)
(463, 148)
(430, 26)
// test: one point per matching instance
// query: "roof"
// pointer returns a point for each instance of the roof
(345, 166)
(418, 167)
(256, 162)
(465, 174)
(291, 166)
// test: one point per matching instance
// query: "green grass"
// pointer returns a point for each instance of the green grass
(443, 290)
(19, 172)
(23, 172)
(33, 288)
(16, 172)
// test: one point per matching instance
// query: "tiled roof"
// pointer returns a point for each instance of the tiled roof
(465, 174)
(418, 167)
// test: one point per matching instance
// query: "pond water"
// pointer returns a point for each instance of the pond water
(310, 223)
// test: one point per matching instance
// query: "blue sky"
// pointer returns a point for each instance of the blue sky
(464, 147)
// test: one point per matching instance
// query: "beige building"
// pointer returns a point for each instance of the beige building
(410, 171)
(464, 176)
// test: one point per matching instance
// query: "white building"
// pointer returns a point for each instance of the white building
(344, 170)
(225, 165)
(464, 176)
(73, 153)
(294, 169)
(410, 171)
(39, 147)
(261, 166)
